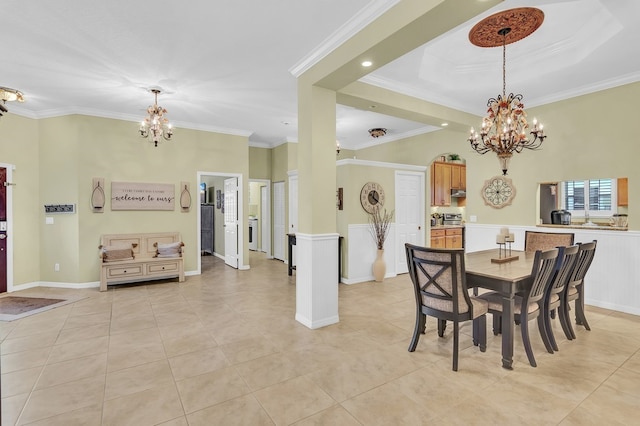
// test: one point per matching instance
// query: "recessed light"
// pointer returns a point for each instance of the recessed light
(444, 124)
(367, 63)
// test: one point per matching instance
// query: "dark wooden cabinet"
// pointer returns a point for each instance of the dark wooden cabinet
(206, 228)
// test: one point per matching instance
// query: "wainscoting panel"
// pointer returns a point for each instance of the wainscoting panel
(362, 252)
(612, 280)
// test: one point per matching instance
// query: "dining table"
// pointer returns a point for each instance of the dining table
(488, 269)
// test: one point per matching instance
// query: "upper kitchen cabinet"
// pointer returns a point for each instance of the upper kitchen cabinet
(444, 178)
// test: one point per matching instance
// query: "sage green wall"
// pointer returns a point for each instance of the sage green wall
(61, 158)
(588, 136)
(352, 177)
(19, 146)
(62, 155)
(259, 163)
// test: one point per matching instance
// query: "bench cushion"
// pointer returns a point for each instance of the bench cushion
(117, 253)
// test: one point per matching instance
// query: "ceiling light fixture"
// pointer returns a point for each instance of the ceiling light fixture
(367, 63)
(156, 124)
(504, 128)
(377, 132)
(337, 147)
(9, 95)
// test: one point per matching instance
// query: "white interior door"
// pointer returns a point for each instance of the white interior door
(409, 215)
(265, 220)
(279, 228)
(293, 210)
(231, 222)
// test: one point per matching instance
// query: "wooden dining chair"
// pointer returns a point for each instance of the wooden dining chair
(440, 288)
(546, 240)
(531, 304)
(575, 290)
(554, 297)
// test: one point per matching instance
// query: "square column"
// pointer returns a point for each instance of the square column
(316, 279)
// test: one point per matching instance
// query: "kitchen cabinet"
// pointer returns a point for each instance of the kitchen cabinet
(440, 184)
(453, 238)
(458, 176)
(444, 178)
(623, 192)
(446, 238)
(438, 237)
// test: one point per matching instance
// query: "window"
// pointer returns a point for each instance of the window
(596, 196)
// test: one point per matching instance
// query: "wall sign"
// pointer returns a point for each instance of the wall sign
(142, 196)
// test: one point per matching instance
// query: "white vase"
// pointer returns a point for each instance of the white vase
(379, 266)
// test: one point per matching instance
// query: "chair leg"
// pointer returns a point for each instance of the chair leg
(542, 328)
(480, 332)
(497, 324)
(547, 324)
(524, 328)
(442, 326)
(564, 319)
(421, 320)
(455, 346)
(581, 319)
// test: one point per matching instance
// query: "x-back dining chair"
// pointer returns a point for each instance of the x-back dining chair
(440, 288)
(575, 290)
(547, 240)
(567, 257)
(529, 305)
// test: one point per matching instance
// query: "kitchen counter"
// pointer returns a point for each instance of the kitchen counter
(577, 226)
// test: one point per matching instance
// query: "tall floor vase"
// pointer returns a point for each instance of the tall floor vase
(379, 266)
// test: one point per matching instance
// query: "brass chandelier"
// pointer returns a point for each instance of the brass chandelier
(155, 123)
(504, 128)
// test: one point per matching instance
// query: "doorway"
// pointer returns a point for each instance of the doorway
(224, 192)
(260, 215)
(410, 214)
(6, 228)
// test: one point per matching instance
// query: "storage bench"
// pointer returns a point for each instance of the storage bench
(145, 264)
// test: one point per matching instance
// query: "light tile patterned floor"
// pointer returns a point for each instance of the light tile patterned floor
(223, 348)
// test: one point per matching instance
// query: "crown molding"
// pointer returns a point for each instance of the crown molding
(391, 138)
(396, 166)
(60, 112)
(354, 25)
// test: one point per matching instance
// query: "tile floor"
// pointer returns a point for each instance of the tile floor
(223, 348)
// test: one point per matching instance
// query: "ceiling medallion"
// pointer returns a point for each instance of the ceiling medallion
(155, 123)
(377, 132)
(504, 128)
(9, 95)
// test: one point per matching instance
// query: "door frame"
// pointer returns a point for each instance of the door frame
(281, 183)
(267, 184)
(242, 220)
(400, 251)
(9, 206)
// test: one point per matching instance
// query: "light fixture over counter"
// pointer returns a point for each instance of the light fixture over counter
(155, 123)
(504, 128)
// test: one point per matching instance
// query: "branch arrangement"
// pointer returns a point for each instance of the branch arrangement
(379, 225)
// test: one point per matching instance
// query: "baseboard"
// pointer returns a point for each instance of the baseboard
(93, 284)
(613, 306)
(317, 324)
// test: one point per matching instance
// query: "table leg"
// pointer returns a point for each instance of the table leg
(508, 330)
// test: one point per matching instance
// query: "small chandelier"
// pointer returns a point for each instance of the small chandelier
(156, 124)
(9, 95)
(377, 132)
(337, 147)
(504, 128)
